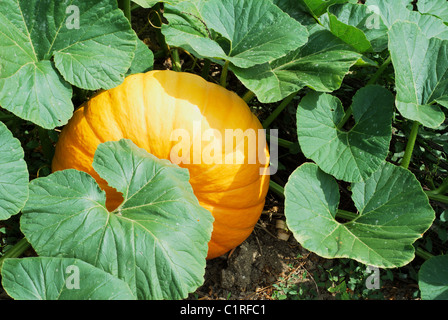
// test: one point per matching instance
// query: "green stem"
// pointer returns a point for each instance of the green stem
(372, 80)
(176, 60)
(278, 110)
(348, 114)
(249, 95)
(225, 70)
(443, 188)
(410, 145)
(436, 197)
(282, 142)
(276, 188)
(380, 71)
(125, 5)
(423, 254)
(16, 251)
(348, 215)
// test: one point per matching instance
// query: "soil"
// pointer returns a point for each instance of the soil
(263, 263)
(251, 271)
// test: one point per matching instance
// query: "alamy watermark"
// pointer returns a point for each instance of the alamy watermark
(373, 21)
(373, 280)
(72, 21)
(72, 280)
(234, 146)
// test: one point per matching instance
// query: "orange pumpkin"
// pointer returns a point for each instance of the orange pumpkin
(180, 115)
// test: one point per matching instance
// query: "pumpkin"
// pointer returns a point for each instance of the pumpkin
(159, 111)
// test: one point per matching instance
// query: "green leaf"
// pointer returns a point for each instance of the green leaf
(438, 8)
(358, 26)
(347, 155)
(156, 241)
(421, 73)
(47, 45)
(13, 175)
(47, 101)
(387, 224)
(246, 33)
(143, 60)
(295, 11)
(321, 64)
(44, 278)
(318, 7)
(391, 11)
(433, 278)
(188, 30)
(257, 30)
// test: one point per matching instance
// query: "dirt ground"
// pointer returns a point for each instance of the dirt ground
(251, 270)
(263, 263)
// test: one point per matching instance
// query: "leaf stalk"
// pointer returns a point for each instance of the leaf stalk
(410, 145)
(16, 251)
(225, 70)
(125, 5)
(278, 110)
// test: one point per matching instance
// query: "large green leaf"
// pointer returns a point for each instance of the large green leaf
(433, 278)
(387, 224)
(244, 32)
(438, 8)
(188, 30)
(348, 155)
(47, 45)
(391, 11)
(157, 239)
(45, 278)
(421, 73)
(321, 64)
(358, 26)
(13, 175)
